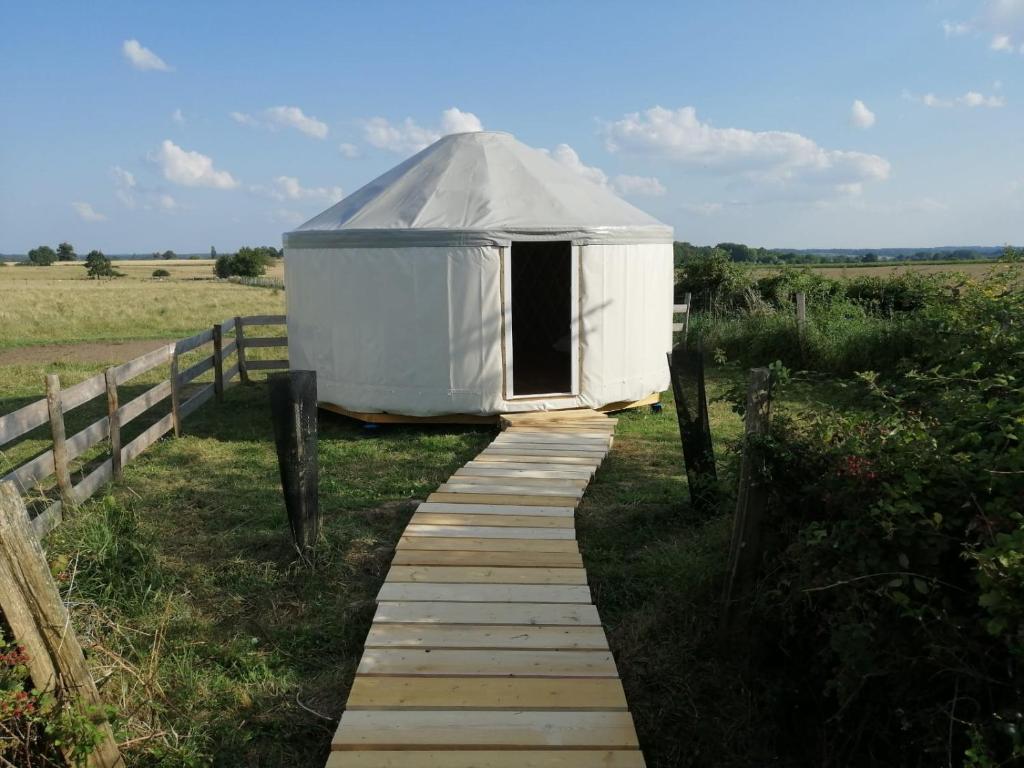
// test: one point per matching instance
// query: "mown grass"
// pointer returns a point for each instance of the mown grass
(42, 307)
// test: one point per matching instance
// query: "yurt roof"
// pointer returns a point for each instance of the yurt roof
(480, 188)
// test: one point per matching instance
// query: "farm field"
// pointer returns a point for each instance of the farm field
(59, 304)
(849, 271)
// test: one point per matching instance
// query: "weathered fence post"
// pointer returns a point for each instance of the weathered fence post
(751, 500)
(115, 422)
(686, 319)
(801, 311)
(293, 407)
(40, 622)
(218, 362)
(687, 366)
(175, 394)
(243, 370)
(55, 407)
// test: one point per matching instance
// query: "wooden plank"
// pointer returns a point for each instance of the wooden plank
(542, 451)
(456, 663)
(264, 365)
(516, 521)
(464, 557)
(82, 441)
(201, 396)
(144, 402)
(31, 472)
(127, 371)
(546, 436)
(243, 372)
(518, 693)
(469, 476)
(147, 438)
(580, 480)
(497, 498)
(488, 532)
(229, 348)
(510, 729)
(25, 419)
(228, 325)
(83, 392)
(494, 509)
(218, 362)
(193, 342)
(484, 593)
(469, 544)
(477, 758)
(48, 519)
(266, 341)
(175, 397)
(262, 320)
(486, 637)
(93, 481)
(196, 370)
(522, 458)
(487, 485)
(484, 575)
(230, 374)
(537, 465)
(448, 612)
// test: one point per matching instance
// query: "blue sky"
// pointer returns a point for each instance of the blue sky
(134, 127)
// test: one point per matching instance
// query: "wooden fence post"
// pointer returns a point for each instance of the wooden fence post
(293, 407)
(175, 394)
(114, 420)
(751, 500)
(686, 320)
(218, 362)
(801, 311)
(243, 370)
(686, 366)
(60, 451)
(40, 622)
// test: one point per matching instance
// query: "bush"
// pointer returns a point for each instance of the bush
(248, 262)
(893, 600)
(161, 273)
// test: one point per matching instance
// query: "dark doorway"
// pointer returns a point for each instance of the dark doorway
(541, 277)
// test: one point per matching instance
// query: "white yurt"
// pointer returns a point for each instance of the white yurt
(480, 277)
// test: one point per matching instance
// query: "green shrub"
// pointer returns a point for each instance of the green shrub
(161, 273)
(43, 256)
(247, 262)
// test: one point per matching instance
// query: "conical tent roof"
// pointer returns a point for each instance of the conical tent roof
(481, 188)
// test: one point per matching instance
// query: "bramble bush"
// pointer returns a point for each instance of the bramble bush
(893, 587)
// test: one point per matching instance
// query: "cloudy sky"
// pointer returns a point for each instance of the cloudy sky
(135, 127)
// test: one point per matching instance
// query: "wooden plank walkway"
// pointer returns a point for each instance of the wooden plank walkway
(486, 650)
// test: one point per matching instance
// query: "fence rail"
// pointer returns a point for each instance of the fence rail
(185, 397)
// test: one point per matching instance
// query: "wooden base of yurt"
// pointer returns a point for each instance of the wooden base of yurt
(504, 419)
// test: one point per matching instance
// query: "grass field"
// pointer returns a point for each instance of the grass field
(59, 304)
(973, 268)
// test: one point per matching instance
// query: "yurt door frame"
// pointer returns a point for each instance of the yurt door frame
(508, 302)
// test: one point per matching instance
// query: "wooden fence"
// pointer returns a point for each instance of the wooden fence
(222, 341)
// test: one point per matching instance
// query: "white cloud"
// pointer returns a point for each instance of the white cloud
(190, 169)
(178, 117)
(167, 203)
(348, 150)
(143, 58)
(955, 28)
(926, 205)
(565, 155)
(289, 188)
(703, 209)
(124, 186)
(454, 120)
(294, 117)
(243, 118)
(971, 99)
(1001, 43)
(860, 115)
(87, 213)
(409, 136)
(780, 157)
(649, 186)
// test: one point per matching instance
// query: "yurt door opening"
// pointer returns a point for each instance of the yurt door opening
(542, 338)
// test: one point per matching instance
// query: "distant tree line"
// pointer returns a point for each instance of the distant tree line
(740, 253)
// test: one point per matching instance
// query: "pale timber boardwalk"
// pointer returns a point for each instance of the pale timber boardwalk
(486, 650)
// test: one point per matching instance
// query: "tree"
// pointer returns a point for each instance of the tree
(43, 256)
(213, 252)
(167, 255)
(869, 257)
(98, 265)
(66, 252)
(248, 262)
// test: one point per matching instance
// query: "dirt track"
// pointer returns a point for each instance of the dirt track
(84, 352)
